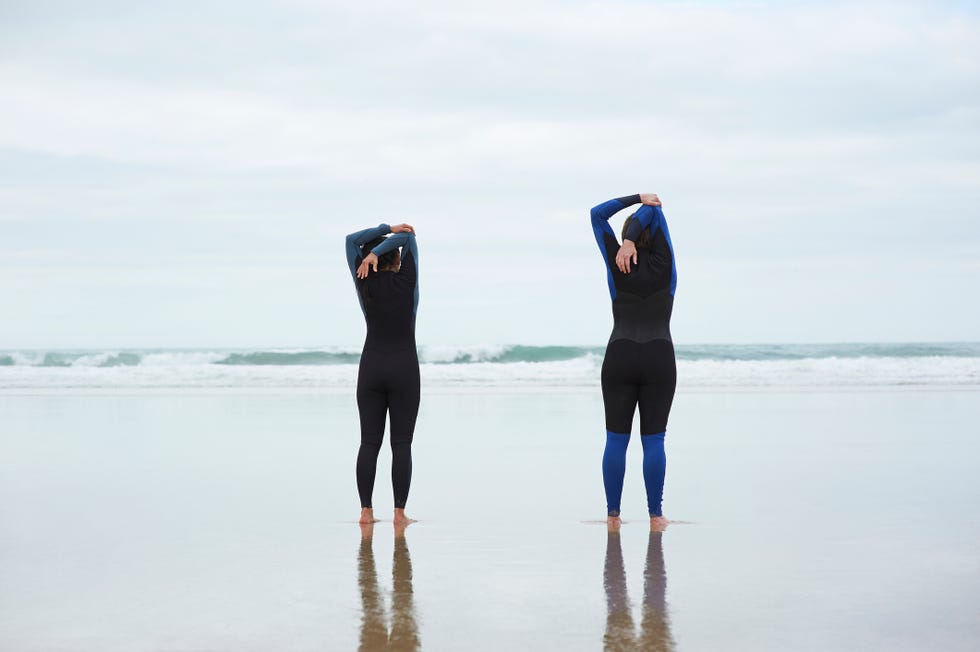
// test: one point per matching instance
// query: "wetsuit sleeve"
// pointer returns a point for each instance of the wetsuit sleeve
(602, 230)
(410, 258)
(651, 216)
(356, 240)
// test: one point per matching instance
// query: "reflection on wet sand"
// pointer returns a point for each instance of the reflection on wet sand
(655, 625)
(404, 632)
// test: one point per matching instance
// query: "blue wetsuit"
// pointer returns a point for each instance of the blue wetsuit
(388, 375)
(639, 366)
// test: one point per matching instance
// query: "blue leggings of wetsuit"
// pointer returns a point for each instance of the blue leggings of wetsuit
(639, 368)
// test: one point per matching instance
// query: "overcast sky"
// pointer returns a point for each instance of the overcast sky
(184, 173)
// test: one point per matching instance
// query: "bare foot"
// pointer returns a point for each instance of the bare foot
(367, 516)
(367, 530)
(401, 520)
(401, 527)
(658, 523)
(613, 523)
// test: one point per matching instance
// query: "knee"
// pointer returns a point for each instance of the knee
(399, 442)
(653, 442)
(370, 444)
(617, 441)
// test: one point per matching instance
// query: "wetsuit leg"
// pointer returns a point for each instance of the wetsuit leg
(372, 406)
(658, 381)
(655, 398)
(619, 396)
(620, 384)
(654, 469)
(403, 407)
(614, 469)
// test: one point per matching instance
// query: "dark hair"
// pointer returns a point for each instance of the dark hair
(385, 261)
(644, 240)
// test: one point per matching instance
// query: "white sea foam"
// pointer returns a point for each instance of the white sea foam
(830, 372)
(450, 354)
(181, 358)
(26, 358)
(201, 369)
(848, 365)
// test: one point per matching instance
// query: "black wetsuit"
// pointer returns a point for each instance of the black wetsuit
(639, 366)
(388, 375)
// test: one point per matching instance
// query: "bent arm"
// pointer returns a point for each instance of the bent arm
(405, 239)
(356, 240)
(409, 270)
(601, 215)
(645, 216)
(602, 230)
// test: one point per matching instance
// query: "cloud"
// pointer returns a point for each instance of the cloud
(263, 132)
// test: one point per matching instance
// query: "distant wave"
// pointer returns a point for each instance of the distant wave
(279, 358)
(714, 365)
(479, 354)
(506, 354)
(821, 351)
(297, 358)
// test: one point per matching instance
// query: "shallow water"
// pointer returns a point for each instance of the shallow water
(224, 521)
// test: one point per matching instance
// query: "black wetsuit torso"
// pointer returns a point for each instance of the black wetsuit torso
(389, 308)
(643, 302)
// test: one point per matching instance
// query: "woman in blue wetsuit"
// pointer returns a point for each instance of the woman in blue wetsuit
(639, 367)
(388, 375)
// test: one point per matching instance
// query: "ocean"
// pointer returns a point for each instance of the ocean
(515, 366)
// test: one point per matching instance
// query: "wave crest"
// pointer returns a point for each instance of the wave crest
(736, 366)
(276, 358)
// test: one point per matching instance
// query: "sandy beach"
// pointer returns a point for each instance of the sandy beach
(164, 520)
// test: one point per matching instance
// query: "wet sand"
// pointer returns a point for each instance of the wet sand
(814, 521)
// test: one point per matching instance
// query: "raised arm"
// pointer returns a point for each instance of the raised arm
(409, 270)
(604, 235)
(601, 215)
(648, 214)
(356, 240)
(404, 239)
(645, 215)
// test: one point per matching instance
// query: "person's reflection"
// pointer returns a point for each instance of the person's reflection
(404, 634)
(655, 625)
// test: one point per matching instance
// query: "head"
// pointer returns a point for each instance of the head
(645, 239)
(389, 262)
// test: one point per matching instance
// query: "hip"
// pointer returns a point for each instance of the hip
(641, 362)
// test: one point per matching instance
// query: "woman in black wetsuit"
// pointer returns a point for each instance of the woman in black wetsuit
(639, 367)
(388, 376)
